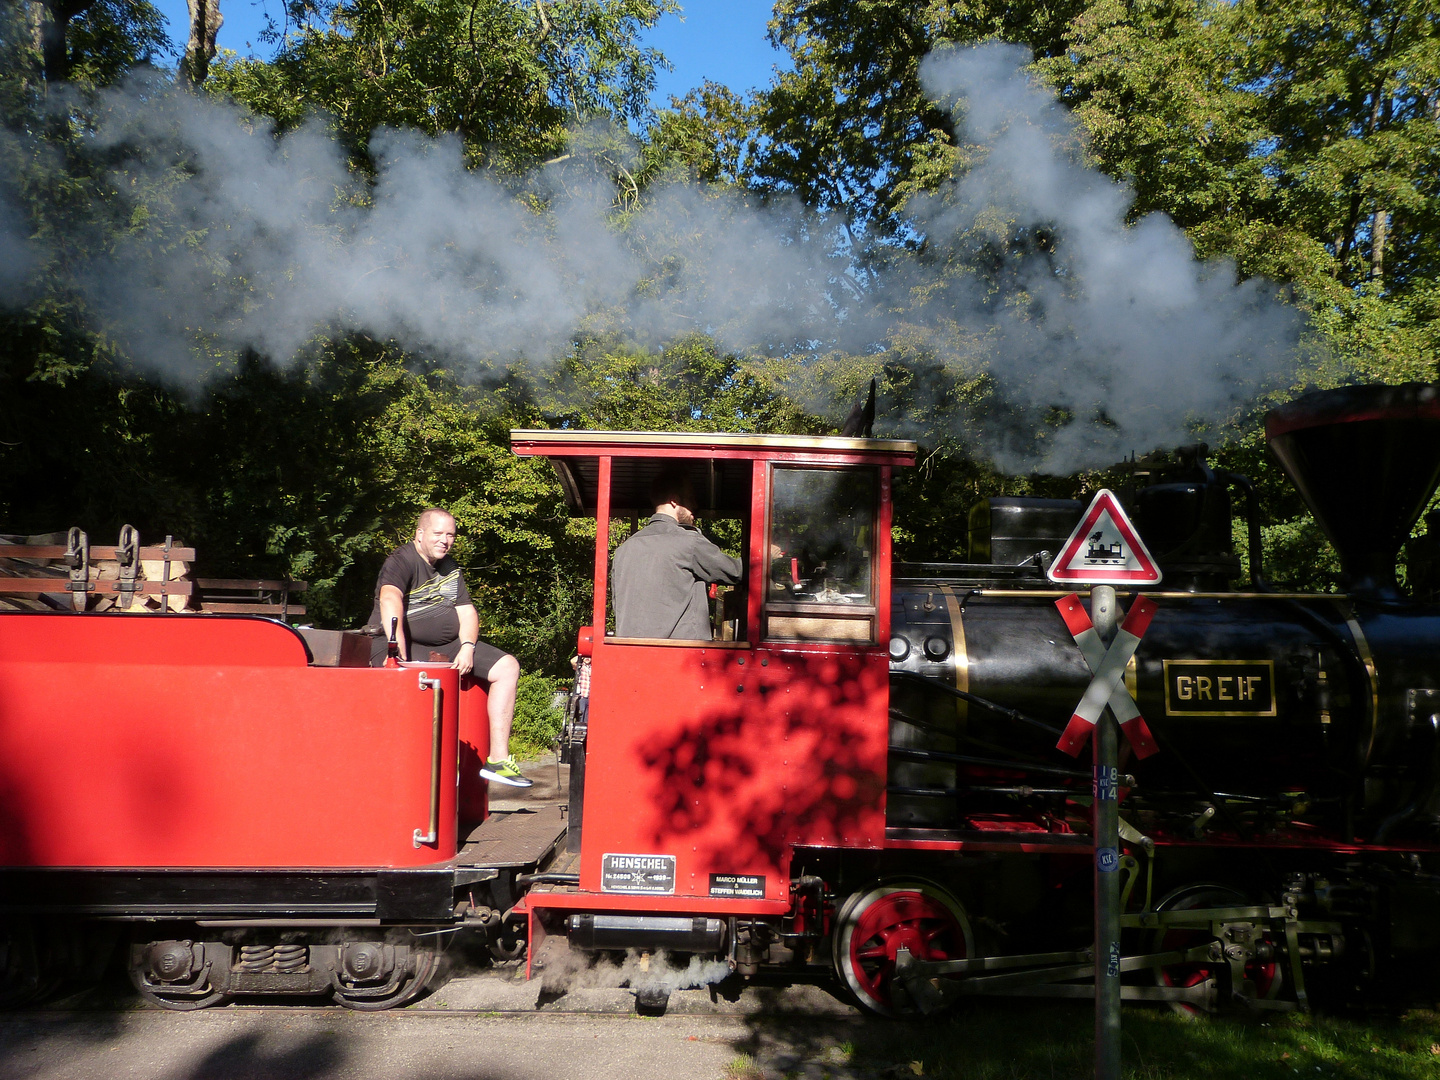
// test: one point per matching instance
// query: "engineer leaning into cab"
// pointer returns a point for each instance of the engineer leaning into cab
(662, 573)
(422, 592)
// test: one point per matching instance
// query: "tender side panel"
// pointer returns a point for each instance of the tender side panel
(121, 745)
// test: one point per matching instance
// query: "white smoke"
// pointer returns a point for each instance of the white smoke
(563, 969)
(1118, 325)
(267, 242)
(249, 241)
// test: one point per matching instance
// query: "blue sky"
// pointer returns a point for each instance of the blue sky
(723, 40)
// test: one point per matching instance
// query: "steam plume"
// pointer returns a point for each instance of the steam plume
(1118, 326)
(264, 243)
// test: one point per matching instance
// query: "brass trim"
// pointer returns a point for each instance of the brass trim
(820, 628)
(962, 652)
(717, 440)
(675, 643)
(1362, 646)
(1267, 664)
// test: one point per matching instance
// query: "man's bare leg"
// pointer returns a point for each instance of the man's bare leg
(504, 678)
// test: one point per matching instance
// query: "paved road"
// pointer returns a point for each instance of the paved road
(333, 1044)
(480, 1025)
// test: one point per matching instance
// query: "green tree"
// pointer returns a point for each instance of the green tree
(511, 78)
(1350, 94)
(1294, 136)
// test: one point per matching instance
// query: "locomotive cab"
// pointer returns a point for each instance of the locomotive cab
(706, 764)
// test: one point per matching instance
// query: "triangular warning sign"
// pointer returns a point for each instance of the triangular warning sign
(1104, 549)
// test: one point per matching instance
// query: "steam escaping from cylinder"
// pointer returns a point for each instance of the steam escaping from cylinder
(563, 969)
(1095, 337)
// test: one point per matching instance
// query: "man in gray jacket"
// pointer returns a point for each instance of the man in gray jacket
(662, 573)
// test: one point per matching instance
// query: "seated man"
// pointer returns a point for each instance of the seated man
(662, 572)
(422, 590)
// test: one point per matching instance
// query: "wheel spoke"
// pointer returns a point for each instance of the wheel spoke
(919, 917)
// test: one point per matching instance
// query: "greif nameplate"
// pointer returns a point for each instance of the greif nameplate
(1219, 687)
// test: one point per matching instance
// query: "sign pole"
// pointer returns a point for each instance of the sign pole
(1106, 788)
(1105, 550)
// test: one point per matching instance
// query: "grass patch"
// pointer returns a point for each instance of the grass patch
(743, 1068)
(1011, 1042)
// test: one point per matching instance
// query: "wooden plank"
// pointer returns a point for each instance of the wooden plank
(226, 608)
(33, 586)
(98, 552)
(238, 585)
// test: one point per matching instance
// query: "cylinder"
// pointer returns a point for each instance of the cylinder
(676, 933)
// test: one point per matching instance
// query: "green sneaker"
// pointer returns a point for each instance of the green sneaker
(505, 772)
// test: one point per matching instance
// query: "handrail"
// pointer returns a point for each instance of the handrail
(437, 744)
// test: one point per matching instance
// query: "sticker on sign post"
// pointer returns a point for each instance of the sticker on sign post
(1104, 549)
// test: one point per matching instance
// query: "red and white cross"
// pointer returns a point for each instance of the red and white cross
(1108, 669)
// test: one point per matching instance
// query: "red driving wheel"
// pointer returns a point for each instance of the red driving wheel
(1265, 974)
(873, 925)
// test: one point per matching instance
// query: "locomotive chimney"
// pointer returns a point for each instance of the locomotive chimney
(1366, 459)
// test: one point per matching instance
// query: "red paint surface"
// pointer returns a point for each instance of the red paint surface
(727, 763)
(206, 741)
(474, 728)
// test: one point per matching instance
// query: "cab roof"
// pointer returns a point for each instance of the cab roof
(719, 463)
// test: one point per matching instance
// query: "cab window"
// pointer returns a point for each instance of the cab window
(821, 583)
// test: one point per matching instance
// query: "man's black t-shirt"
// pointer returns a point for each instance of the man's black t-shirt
(432, 593)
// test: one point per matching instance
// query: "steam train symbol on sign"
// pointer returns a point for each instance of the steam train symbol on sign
(1099, 552)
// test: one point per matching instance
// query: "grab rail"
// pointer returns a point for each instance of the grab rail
(437, 722)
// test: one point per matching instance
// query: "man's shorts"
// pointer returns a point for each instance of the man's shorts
(486, 655)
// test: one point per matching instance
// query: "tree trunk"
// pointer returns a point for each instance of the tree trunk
(205, 23)
(1378, 228)
(54, 24)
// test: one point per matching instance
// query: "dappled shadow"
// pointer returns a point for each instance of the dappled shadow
(27, 1040)
(788, 754)
(271, 1055)
(149, 1043)
(1014, 1040)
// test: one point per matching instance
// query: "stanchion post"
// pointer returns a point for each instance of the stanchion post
(1104, 613)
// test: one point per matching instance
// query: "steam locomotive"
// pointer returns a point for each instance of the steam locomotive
(857, 775)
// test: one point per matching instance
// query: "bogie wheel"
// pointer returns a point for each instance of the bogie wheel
(405, 988)
(1266, 975)
(191, 987)
(875, 923)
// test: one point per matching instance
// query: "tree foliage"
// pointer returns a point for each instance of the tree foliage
(510, 77)
(1296, 138)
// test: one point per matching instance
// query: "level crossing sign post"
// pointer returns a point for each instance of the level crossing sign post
(1105, 550)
